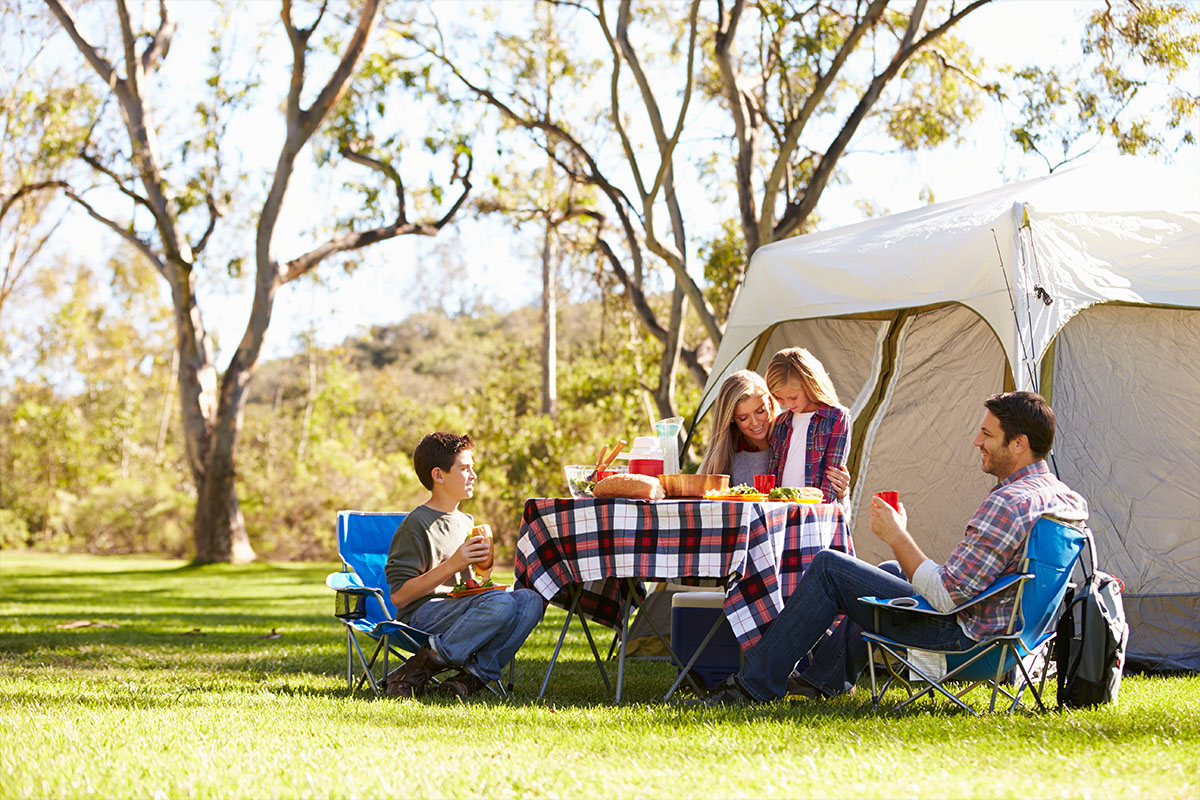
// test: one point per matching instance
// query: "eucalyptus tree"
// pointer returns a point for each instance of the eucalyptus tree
(764, 99)
(161, 169)
(41, 112)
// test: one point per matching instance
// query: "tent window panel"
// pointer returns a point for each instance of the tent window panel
(950, 362)
(1127, 409)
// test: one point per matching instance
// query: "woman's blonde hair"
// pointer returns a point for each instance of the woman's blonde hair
(741, 385)
(797, 365)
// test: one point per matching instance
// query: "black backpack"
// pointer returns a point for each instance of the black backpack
(1091, 638)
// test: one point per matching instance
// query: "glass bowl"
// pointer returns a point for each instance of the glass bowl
(580, 477)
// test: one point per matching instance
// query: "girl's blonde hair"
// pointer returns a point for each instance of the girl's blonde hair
(741, 385)
(797, 365)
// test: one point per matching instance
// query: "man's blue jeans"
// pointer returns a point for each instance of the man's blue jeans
(836, 662)
(480, 633)
(833, 583)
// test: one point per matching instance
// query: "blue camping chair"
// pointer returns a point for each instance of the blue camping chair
(363, 601)
(1051, 550)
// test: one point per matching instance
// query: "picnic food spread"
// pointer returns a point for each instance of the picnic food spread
(635, 482)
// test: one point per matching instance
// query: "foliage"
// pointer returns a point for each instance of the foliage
(1133, 58)
(188, 678)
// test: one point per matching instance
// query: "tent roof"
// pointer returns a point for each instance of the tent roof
(1119, 230)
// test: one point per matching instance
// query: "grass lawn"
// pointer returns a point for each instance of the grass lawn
(184, 697)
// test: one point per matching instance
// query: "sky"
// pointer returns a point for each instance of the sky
(503, 268)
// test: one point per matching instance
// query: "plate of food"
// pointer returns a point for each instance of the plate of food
(741, 492)
(796, 494)
(473, 587)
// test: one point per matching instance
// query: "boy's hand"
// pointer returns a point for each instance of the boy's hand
(472, 551)
(886, 522)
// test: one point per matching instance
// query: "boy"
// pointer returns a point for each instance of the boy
(479, 634)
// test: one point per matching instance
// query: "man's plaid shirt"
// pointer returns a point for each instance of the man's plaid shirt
(995, 540)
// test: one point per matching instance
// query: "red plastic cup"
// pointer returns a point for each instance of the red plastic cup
(763, 484)
(891, 498)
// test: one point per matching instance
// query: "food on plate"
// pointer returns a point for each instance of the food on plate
(471, 583)
(740, 492)
(807, 494)
(631, 487)
(741, 488)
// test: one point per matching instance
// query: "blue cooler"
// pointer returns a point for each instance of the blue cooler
(692, 616)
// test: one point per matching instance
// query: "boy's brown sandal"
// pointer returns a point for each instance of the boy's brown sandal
(462, 685)
(410, 679)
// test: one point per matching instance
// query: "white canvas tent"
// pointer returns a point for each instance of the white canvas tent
(919, 316)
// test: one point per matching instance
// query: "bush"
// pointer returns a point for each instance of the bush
(14, 531)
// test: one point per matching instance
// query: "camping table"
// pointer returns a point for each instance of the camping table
(590, 556)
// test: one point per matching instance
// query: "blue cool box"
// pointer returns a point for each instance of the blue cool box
(692, 616)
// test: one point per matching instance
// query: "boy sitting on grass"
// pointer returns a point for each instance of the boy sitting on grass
(430, 551)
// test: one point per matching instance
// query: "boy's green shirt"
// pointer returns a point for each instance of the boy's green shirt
(425, 538)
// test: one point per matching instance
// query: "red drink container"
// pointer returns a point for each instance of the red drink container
(646, 466)
(763, 484)
(891, 498)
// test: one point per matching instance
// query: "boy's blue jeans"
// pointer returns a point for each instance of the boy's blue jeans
(833, 582)
(481, 633)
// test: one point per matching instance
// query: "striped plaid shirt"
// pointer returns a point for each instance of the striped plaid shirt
(827, 445)
(995, 540)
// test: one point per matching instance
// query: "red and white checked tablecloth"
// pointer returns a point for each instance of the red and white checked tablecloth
(761, 549)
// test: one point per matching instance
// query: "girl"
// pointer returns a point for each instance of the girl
(811, 438)
(742, 418)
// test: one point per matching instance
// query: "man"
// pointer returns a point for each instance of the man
(1014, 438)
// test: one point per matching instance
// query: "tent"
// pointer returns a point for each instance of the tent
(1084, 286)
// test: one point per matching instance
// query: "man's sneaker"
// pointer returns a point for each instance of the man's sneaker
(728, 693)
(462, 685)
(798, 687)
(410, 679)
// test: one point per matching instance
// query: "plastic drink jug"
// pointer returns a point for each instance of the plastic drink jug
(668, 441)
(646, 458)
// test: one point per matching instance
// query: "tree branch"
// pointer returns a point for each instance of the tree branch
(388, 170)
(99, 64)
(797, 211)
(795, 127)
(214, 213)
(95, 164)
(161, 43)
(353, 241)
(125, 233)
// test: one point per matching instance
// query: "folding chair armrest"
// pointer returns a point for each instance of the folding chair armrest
(350, 583)
(920, 605)
(915, 603)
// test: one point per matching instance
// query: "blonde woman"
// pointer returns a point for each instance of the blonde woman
(811, 438)
(742, 418)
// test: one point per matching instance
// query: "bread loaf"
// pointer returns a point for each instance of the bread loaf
(629, 486)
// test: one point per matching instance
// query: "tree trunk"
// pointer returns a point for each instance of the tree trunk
(549, 324)
(219, 530)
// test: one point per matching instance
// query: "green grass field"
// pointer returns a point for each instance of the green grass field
(184, 697)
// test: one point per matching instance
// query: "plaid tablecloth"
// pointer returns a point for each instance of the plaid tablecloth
(759, 549)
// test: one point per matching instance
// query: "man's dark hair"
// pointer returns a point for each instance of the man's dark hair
(438, 450)
(1024, 413)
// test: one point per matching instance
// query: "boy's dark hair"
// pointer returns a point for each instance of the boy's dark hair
(438, 450)
(1024, 413)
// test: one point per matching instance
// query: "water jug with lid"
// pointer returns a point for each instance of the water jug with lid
(646, 457)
